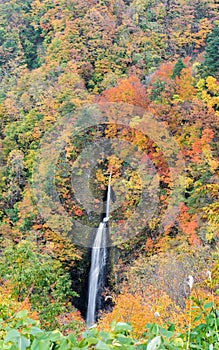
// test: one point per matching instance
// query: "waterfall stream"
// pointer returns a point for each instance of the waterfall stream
(98, 262)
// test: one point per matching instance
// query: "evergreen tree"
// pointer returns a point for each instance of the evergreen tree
(178, 68)
(212, 51)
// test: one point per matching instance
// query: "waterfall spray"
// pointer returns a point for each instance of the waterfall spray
(98, 262)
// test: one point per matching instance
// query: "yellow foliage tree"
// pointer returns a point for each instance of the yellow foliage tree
(140, 310)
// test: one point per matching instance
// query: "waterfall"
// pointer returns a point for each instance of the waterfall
(98, 262)
(108, 198)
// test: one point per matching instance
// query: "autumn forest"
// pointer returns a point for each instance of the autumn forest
(125, 91)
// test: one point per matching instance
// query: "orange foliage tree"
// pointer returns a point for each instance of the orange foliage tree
(135, 309)
(129, 90)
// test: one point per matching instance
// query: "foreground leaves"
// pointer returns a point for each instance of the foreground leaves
(26, 335)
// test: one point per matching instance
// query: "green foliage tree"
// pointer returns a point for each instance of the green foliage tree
(38, 277)
(17, 34)
(211, 52)
(178, 68)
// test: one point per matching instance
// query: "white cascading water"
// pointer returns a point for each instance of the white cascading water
(98, 263)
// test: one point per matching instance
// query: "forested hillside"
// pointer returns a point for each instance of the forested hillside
(93, 87)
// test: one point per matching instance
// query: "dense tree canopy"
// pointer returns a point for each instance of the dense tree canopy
(158, 61)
